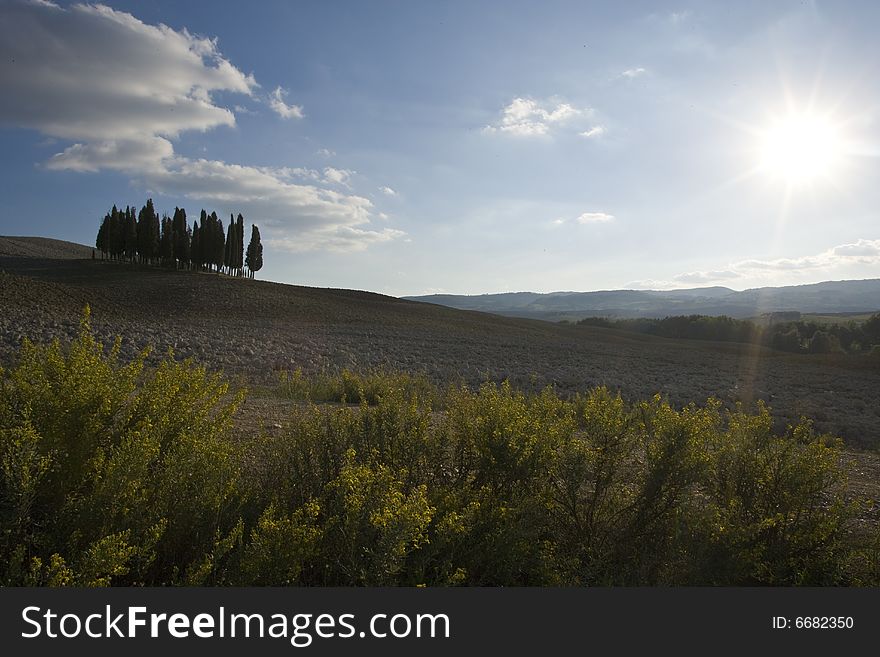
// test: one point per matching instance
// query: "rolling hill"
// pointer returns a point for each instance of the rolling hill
(856, 296)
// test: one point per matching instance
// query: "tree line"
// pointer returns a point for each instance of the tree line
(796, 336)
(143, 237)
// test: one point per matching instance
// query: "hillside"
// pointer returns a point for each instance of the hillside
(826, 297)
(42, 247)
(255, 329)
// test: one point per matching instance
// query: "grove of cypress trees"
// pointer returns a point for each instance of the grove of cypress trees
(142, 235)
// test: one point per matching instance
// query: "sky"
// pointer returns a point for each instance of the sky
(416, 147)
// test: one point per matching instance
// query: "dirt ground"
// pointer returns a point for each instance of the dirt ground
(252, 330)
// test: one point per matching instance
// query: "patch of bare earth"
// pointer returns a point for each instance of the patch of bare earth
(253, 329)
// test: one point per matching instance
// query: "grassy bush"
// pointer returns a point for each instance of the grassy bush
(114, 475)
(351, 387)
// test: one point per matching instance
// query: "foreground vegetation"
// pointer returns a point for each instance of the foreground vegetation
(115, 474)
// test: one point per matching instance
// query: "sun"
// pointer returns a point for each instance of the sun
(800, 149)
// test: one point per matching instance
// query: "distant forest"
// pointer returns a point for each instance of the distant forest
(793, 336)
(142, 236)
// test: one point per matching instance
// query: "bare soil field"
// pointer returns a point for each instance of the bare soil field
(253, 330)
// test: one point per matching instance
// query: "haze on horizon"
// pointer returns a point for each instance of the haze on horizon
(414, 148)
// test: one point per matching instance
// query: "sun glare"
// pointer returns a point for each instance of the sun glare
(800, 148)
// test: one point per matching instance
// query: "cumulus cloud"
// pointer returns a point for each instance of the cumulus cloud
(123, 90)
(526, 117)
(387, 191)
(860, 249)
(264, 189)
(337, 176)
(633, 72)
(90, 73)
(130, 155)
(594, 218)
(282, 109)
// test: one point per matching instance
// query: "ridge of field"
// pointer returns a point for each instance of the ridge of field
(256, 329)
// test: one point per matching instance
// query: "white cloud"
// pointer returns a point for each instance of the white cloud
(282, 109)
(337, 176)
(344, 240)
(123, 90)
(387, 191)
(130, 155)
(633, 72)
(298, 217)
(594, 218)
(93, 74)
(595, 131)
(700, 277)
(526, 117)
(861, 252)
(650, 284)
(862, 248)
(325, 152)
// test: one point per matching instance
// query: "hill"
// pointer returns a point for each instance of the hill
(42, 247)
(858, 296)
(255, 329)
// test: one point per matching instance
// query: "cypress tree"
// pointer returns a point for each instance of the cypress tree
(149, 234)
(195, 246)
(203, 240)
(129, 237)
(254, 258)
(155, 237)
(115, 234)
(101, 240)
(167, 242)
(143, 236)
(228, 247)
(179, 238)
(218, 243)
(186, 245)
(239, 245)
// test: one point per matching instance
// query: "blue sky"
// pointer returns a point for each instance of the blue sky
(462, 147)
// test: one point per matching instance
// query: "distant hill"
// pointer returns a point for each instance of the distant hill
(827, 297)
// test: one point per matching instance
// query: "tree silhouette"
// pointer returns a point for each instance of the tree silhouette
(254, 259)
(102, 239)
(143, 236)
